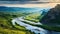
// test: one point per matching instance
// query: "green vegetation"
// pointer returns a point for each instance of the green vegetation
(33, 17)
(29, 17)
(51, 20)
(6, 26)
(52, 28)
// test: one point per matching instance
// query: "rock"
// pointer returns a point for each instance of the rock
(52, 18)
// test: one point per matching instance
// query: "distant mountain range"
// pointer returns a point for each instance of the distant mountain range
(3, 8)
(22, 9)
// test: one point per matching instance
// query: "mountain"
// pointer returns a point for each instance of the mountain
(18, 10)
(3, 8)
(52, 18)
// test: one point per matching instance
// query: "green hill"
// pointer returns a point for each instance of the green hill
(51, 20)
(6, 26)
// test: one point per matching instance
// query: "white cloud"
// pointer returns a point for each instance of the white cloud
(30, 5)
(28, 2)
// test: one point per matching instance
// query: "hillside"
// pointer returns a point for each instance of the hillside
(8, 13)
(6, 26)
(51, 20)
(52, 17)
(17, 9)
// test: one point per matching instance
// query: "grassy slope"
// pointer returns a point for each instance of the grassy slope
(29, 17)
(7, 28)
(33, 17)
(51, 28)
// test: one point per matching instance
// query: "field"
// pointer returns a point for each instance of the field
(33, 17)
(6, 26)
(38, 17)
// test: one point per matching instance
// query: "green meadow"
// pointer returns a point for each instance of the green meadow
(6, 26)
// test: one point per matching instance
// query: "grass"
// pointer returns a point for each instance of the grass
(33, 17)
(10, 31)
(36, 16)
(6, 26)
(51, 28)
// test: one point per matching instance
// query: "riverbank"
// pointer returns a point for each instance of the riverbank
(32, 28)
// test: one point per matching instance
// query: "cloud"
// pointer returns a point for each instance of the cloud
(18, 0)
(22, 1)
(27, 1)
(31, 5)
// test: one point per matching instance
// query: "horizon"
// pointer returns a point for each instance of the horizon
(31, 5)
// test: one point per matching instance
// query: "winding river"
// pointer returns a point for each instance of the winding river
(35, 29)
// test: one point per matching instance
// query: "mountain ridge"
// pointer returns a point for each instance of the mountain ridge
(52, 17)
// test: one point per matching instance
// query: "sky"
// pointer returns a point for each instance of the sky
(21, 0)
(28, 1)
(31, 5)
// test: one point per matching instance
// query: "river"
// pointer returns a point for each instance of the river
(35, 29)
